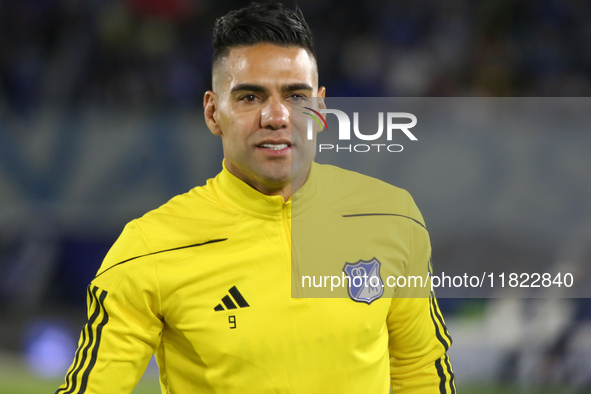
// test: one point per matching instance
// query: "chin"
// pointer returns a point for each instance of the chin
(276, 178)
(280, 174)
(276, 173)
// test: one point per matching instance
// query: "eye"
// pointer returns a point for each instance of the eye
(296, 97)
(248, 98)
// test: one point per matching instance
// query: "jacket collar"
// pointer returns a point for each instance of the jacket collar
(244, 197)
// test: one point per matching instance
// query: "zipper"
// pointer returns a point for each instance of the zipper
(290, 260)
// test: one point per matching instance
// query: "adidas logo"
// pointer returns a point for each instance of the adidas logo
(227, 301)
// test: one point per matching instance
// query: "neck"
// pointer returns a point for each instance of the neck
(285, 189)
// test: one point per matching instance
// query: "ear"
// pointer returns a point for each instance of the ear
(210, 107)
(321, 94)
(321, 104)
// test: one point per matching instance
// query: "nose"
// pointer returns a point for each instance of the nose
(275, 116)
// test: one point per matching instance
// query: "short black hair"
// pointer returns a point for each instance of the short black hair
(261, 23)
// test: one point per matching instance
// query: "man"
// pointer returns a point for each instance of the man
(205, 280)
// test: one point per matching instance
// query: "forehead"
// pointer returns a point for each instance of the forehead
(268, 65)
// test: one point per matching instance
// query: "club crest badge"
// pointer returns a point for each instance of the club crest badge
(365, 281)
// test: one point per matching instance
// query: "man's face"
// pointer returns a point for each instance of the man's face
(250, 109)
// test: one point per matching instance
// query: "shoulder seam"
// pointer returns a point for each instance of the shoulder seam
(385, 214)
(161, 251)
(137, 223)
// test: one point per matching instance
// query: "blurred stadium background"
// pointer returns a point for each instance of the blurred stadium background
(100, 121)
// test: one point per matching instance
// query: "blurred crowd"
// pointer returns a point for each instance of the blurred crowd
(156, 53)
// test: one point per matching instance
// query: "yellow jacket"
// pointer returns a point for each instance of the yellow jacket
(209, 282)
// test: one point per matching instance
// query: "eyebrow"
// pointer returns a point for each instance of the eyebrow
(250, 87)
(295, 86)
(261, 89)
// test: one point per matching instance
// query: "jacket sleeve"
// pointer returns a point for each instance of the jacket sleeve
(418, 337)
(124, 322)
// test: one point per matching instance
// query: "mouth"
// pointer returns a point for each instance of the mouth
(274, 146)
(278, 148)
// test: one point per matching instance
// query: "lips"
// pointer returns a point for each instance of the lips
(274, 144)
(275, 147)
